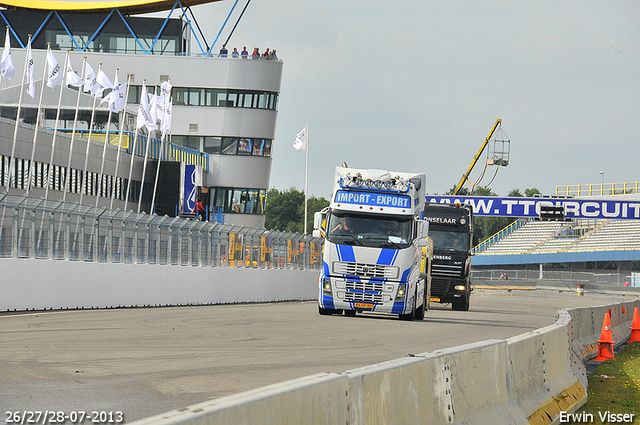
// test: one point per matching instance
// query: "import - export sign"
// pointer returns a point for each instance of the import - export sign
(530, 207)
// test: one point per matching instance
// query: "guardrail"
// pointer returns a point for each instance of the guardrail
(485, 244)
(35, 228)
(530, 378)
(601, 189)
(157, 149)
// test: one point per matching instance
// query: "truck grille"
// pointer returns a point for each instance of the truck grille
(361, 296)
(365, 270)
(364, 286)
(440, 286)
(446, 270)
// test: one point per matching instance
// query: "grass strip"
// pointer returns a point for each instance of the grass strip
(613, 390)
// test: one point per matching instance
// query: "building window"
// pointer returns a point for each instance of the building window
(212, 145)
(191, 96)
(238, 200)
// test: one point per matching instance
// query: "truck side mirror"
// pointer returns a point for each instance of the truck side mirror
(423, 229)
(476, 240)
(318, 217)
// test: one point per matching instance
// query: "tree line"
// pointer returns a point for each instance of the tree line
(285, 210)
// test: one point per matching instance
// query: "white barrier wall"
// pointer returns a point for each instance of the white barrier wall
(527, 379)
(30, 284)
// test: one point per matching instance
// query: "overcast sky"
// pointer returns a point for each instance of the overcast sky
(417, 86)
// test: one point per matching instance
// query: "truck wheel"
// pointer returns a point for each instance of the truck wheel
(410, 315)
(419, 314)
(325, 311)
(462, 305)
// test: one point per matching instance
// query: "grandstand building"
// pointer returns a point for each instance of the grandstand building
(592, 251)
(223, 119)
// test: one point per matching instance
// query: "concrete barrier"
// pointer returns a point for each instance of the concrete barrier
(317, 399)
(30, 284)
(527, 379)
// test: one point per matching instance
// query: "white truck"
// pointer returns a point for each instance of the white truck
(377, 254)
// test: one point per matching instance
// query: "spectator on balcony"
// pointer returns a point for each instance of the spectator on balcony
(223, 51)
(266, 54)
(273, 55)
(200, 211)
(256, 53)
(244, 53)
(235, 53)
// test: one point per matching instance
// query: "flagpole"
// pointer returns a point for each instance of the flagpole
(133, 152)
(86, 155)
(135, 141)
(73, 133)
(55, 129)
(104, 148)
(306, 178)
(155, 183)
(146, 150)
(164, 116)
(15, 130)
(35, 131)
(124, 118)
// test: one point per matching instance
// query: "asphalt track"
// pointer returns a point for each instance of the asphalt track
(144, 362)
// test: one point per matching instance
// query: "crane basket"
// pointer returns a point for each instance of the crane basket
(499, 149)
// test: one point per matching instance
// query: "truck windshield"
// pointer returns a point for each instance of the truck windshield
(448, 240)
(369, 230)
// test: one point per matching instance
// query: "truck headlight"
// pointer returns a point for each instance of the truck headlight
(402, 292)
(326, 286)
(459, 287)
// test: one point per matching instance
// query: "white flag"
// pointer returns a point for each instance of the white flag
(165, 90)
(90, 84)
(144, 117)
(160, 104)
(301, 140)
(166, 118)
(102, 82)
(153, 112)
(116, 101)
(163, 100)
(6, 64)
(72, 78)
(116, 97)
(55, 74)
(31, 85)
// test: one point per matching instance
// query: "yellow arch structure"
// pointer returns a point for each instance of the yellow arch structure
(129, 7)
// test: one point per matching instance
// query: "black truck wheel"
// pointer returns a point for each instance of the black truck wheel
(325, 311)
(462, 305)
(409, 316)
(419, 313)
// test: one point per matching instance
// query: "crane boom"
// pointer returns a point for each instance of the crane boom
(475, 158)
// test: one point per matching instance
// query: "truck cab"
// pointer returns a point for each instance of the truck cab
(373, 252)
(451, 228)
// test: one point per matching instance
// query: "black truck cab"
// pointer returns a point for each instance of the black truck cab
(451, 228)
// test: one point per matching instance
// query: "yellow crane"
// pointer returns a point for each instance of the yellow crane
(497, 159)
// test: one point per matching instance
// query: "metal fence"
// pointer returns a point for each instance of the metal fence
(35, 228)
(567, 277)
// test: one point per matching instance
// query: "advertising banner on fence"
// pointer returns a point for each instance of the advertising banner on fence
(530, 207)
(190, 180)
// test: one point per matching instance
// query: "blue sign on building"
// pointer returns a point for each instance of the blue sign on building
(530, 207)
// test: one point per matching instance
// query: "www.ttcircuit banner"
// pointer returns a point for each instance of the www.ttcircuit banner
(530, 207)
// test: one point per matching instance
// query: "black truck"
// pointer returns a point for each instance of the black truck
(451, 228)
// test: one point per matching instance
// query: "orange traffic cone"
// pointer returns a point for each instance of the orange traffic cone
(635, 327)
(605, 350)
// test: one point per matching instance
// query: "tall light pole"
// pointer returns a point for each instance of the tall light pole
(602, 174)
